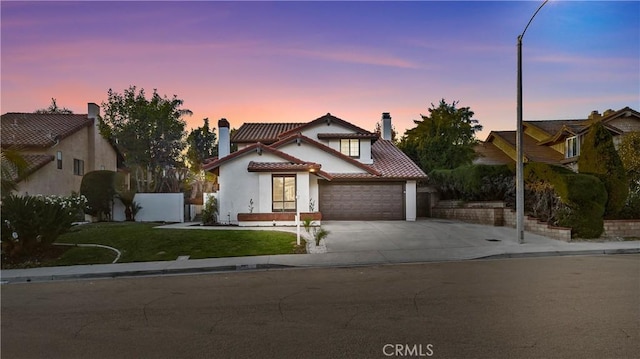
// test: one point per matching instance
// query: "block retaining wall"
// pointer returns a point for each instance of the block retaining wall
(622, 228)
(500, 216)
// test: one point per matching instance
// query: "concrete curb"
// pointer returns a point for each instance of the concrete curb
(266, 266)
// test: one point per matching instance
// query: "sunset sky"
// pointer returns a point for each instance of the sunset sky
(296, 61)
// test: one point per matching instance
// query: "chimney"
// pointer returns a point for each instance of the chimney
(93, 111)
(595, 115)
(386, 126)
(224, 144)
(608, 112)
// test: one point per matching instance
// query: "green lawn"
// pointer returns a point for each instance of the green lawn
(140, 242)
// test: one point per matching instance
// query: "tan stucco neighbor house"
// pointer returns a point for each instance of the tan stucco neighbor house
(328, 168)
(59, 149)
(555, 142)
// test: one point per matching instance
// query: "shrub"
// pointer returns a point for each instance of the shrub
(307, 222)
(210, 211)
(584, 197)
(600, 158)
(474, 182)
(319, 234)
(100, 187)
(33, 222)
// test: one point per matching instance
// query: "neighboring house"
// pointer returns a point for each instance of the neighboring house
(327, 165)
(555, 142)
(59, 149)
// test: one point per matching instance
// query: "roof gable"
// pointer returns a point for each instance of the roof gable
(327, 121)
(257, 147)
(326, 149)
(40, 130)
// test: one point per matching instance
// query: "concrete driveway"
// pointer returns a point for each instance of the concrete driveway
(352, 236)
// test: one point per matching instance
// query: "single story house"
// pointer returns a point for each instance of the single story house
(59, 149)
(555, 142)
(327, 169)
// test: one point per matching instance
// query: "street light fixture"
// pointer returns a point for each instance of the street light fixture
(519, 141)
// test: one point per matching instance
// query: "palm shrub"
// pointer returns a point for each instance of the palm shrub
(319, 234)
(307, 222)
(130, 206)
(33, 222)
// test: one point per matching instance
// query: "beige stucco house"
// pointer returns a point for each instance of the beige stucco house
(557, 142)
(59, 149)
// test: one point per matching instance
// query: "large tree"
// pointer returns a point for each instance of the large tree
(149, 132)
(444, 139)
(54, 109)
(202, 145)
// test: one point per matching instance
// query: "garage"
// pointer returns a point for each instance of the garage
(362, 200)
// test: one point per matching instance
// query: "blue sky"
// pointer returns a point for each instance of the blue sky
(296, 61)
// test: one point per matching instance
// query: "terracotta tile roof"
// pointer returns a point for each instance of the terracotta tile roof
(390, 162)
(262, 132)
(329, 119)
(489, 154)
(347, 135)
(354, 176)
(39, 130)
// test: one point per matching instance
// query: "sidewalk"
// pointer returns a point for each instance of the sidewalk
(351, 244)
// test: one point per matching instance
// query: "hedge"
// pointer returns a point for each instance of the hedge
(599, 157)
(100, 187)
(585, 196)
(474, 182)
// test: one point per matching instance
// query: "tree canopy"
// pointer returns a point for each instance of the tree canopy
(54, 109)
(149, 132)
(394, 134)
(444, 139)
(202, 145)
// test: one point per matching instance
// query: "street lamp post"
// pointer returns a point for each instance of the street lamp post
(519, 141)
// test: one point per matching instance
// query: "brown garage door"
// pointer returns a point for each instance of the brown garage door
(362, 200)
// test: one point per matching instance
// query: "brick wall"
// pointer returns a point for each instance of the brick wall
(501, 217)
(622, 228)
(488, 216)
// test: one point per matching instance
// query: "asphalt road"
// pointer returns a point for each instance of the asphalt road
(559, 307)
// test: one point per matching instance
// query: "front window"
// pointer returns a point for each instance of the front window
(284, 193)
(59, 160)
(573, 147)
(350, 147)
(78, 167)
